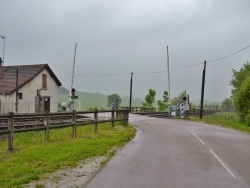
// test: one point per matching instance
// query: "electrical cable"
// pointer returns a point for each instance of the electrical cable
(187, 67)
(98, 74)
(157, 72)
(138, 73)
(228, 55)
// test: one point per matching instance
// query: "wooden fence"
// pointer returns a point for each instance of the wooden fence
(74, 119)
(196, 112)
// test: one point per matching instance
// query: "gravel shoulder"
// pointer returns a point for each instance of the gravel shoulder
(71, 177)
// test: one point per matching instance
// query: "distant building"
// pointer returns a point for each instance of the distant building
(37, 89)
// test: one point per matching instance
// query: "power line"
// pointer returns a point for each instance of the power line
(158, 72)
(187, 67)
(138, 73)
(228, 55)
(89, 75)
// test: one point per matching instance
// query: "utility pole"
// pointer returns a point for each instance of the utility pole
(202, 89)
(130, 97)
(169, 102)
(16, 91)
(3, 37)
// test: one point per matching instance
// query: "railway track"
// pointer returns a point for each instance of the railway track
(39, 121)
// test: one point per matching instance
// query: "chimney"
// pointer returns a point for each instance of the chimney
(1, 67)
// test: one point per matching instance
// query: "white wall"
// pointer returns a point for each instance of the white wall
(29, 90)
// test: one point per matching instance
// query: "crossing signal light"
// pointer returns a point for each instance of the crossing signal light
(73, 91)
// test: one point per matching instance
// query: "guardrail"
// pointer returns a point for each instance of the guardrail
(47, 122)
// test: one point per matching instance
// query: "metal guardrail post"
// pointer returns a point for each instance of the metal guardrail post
(46, 122)
(74, 122)
(11, 128)
(113, 118)
(96, 121)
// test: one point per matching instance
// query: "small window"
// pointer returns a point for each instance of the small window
(20, 95)
(44, 81)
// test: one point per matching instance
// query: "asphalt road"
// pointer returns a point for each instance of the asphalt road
(178, 153)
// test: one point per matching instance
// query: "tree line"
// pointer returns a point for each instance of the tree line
(150, 100)
(241, 92)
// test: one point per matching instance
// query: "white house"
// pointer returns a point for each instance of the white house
(37, 89)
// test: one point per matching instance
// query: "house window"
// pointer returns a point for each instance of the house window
(20, 95)
(44, 81)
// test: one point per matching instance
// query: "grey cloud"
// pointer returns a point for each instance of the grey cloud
(130, 36)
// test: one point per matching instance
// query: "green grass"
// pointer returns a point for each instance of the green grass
(33, 157)
(225, 119)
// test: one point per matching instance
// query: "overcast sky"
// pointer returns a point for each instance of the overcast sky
(120, 37)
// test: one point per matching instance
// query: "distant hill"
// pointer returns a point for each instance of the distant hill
(91, 100)
(62, 90)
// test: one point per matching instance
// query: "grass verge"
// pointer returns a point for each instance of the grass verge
(33, 157)
(225, 119)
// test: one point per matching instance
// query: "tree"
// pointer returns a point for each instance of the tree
(162, 105)
(178, 100)
(239, 77)
(227, 104)
(241, 92)
(149, 98)
(242, 101)
(114, 99)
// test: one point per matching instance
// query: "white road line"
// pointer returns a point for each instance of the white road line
(196, 137)
(222, 164)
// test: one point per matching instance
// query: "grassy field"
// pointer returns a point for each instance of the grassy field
(33, 157)
(225, 119)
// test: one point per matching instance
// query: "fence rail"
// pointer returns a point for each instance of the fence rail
(16, 123)
(196, 112)
(139, 109)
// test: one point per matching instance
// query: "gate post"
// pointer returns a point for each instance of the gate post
(74, 122)
(113, 118)
(11, 134)
(96, 121)
(46, 119)
(127, 117)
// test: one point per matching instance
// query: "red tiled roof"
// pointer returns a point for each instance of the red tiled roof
(25, 74)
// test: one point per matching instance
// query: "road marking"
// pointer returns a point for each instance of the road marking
(222, 164)
(196, 136)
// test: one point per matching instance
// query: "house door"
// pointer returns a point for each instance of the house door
(46, 104)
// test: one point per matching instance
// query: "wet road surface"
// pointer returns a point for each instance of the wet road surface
(178, 153)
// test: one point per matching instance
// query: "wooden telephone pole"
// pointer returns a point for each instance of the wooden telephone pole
(130, 97)
(17, 96)
(202, 89)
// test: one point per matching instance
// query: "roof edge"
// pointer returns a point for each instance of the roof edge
(45, 66)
